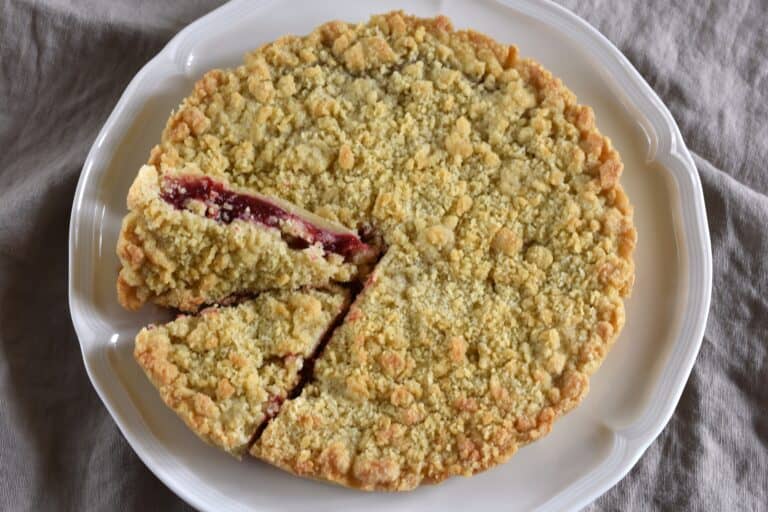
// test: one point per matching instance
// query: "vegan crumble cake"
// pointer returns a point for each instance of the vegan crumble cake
(461, 186)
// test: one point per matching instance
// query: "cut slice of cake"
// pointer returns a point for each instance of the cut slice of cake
(227, 370)
(191, 240)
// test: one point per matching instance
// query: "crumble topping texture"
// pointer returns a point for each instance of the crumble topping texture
(509, 239)
(182, 259)
(228, 369)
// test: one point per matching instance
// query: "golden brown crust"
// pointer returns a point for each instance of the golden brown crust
(509, 238)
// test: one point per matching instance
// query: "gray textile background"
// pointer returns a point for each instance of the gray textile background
(63, 64)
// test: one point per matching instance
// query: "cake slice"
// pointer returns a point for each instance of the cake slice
(227, 370)
(191, 240)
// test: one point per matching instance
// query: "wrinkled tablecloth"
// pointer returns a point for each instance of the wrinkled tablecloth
(63, 65)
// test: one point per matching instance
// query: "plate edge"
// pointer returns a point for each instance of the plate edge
(670, 148)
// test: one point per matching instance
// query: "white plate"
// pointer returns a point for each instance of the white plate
(590, 449)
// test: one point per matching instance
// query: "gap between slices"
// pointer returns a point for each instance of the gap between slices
(306, 374)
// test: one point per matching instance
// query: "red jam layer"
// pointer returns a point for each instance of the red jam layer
(226, 206)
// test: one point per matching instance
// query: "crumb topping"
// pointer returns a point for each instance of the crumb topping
(228, 369)
(184, 259)
(509, 239)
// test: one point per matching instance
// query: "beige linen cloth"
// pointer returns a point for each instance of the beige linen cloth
(63, 65)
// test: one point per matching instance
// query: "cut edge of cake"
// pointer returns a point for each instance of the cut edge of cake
(189, 252)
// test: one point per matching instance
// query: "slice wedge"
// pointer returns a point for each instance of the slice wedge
(227, 370)
(190, 240)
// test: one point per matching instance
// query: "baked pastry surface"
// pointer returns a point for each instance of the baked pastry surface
(506, 240)
(227, 370)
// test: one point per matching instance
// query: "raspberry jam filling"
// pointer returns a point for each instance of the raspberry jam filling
(225, 206)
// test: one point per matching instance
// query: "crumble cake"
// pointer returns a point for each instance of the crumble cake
(492, 200)
(227, 370)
